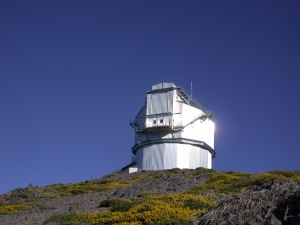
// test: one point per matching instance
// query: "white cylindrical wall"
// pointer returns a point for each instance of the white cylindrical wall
(172, 155)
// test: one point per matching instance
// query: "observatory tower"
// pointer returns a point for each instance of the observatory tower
(171, 130)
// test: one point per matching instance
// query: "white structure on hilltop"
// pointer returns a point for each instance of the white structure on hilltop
(171, 130)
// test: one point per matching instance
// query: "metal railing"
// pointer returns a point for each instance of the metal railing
(193, 101)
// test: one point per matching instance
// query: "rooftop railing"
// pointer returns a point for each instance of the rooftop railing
(193, 101)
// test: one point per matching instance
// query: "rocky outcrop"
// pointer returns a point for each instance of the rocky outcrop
(168, 183)
(274, 204)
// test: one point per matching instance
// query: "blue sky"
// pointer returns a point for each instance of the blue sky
(73, 74)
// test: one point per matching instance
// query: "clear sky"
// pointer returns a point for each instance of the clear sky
(73, 74)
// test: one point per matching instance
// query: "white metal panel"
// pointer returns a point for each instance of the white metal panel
(157, 86)
(177, 121)
(200, 131)
(177, 134)
(210, 130)
(159, 102)
(167, 85)
(157, 157)
(172, 155)
(129, 170)
(193, 131)
(198, 157)
(177, 107)
(177, 103)
(183, 156)
(189, 113)
(163, 85)
(209, 160)
(132, 169)
(166, 135)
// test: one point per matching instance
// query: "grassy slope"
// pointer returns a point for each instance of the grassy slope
(176, 208)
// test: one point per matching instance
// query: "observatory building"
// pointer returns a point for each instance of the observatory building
(171, 130)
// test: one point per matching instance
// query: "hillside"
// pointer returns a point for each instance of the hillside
(173, 196)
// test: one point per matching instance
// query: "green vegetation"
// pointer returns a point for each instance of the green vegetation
(57, 191)
(61, 190)
(234, 182)
(41, 207)
(149, 208)
(179, 208)
(153, 209)
(155, 176)
(13, 208)
(137, 179)
(175, 170)
(201, 170)
(117, 205)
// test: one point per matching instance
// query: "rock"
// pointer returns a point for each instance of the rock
(289, 210)
(132, 193)
(111, 192)
(34, 210)
(30, 187)
(2, 198)
(266, 202)
(274, 221)
(14, 199)
(72, 208)
(16, 191)
(241, 222)
(252, 223)
(119, 192)
(35, 194)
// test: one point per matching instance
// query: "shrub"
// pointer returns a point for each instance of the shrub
(234, 182)
(69, 219)
(166, 209)
(155, 176)
(117, 205)
(61, 190)
(197, 203)
(286, 175)
(13, 208)
(23, 195)
(175, 170)
(153, 209)
(103, 182)
(201, 170)
(173, 222)
(136, 179)
(79, 191)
